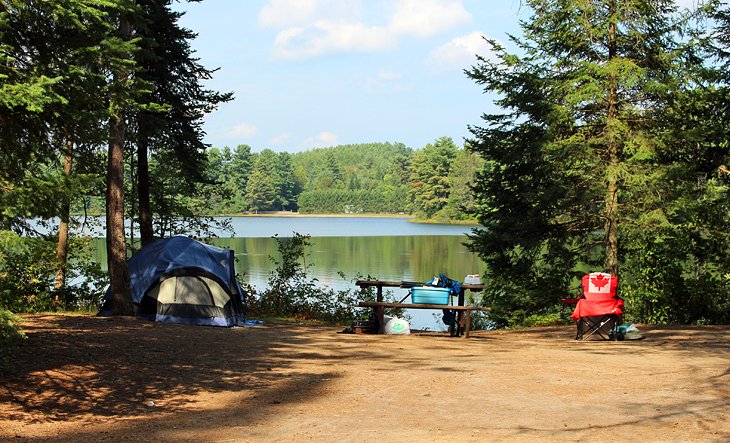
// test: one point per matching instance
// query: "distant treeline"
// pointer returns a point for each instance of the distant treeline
(431, 183)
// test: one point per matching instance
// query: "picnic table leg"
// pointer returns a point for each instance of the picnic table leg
(461, 316)
(468, 323)
(380, 315)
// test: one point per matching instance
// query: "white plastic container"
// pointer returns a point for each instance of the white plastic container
(396, 326)
(472, 279)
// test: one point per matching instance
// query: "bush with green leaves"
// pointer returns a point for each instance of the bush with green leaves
(10, 336)
(27, 274)
(291, 293)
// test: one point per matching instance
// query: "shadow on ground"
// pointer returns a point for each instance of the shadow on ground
(102, 368)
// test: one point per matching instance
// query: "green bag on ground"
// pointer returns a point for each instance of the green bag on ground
(628, 331)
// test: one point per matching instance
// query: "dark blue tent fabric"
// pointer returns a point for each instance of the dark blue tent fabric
(171, 254)
(188, 258)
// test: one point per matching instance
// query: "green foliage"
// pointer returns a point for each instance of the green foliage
(39, 192)
(261, 189)
(27, 272)
(291, 293)
(10, 337)
(170, 123)
(66, 67)
(549, 319)
(285, 183)
(27, 269)
(181, 207)
(676, 278)
(349, 179)
(429, 180)
(361, 166)
(603, 132)
(86, 282)
(345, 201)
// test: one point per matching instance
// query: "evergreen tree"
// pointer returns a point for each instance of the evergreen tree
(120, 102)
(286, 183)
(51, 68)
(682, 258)
(461, 176)
(174, 122)
(429, 174)
(57, 57)
(572, 165)
(241, 165)
(261, 190)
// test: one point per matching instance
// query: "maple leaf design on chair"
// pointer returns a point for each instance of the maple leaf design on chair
(599, 281)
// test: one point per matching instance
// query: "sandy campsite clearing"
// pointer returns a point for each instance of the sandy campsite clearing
(123, 379)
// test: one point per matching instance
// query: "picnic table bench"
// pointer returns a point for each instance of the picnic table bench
(463, 319)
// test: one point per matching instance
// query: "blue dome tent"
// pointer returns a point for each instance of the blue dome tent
(181, 280)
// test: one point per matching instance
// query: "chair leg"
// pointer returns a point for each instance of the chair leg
(587, 326)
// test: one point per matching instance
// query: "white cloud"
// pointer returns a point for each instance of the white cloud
(242, 130)
(324, 37)
(281, 139)
(311, 28)
(322, 140)
(424, 18)
(459, 53)
(282, 13)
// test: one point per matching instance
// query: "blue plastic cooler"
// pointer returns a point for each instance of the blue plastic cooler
(430, 295)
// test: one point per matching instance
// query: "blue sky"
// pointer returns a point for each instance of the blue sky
(320, 73)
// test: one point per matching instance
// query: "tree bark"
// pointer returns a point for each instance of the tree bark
(611, 211)
(121, 295)
(143, 190)
(62, 248)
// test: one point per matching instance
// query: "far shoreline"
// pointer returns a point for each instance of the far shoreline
(299, 214)
(410, 218)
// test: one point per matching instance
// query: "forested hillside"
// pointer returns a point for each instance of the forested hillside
(431, 183)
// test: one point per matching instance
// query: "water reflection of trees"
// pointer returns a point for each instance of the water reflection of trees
(416, 258)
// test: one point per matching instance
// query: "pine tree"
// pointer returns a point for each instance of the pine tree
(174, 123)
(261, 189)
(285, 182)
(572, 164)
(429, 177)
(121, 91)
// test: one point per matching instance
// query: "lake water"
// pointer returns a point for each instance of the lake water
(358, 247)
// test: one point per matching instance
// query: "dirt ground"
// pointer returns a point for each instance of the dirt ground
(95, 379)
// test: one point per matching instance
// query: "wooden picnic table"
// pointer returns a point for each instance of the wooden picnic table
(463, 320)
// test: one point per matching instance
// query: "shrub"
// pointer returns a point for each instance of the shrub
(10, 337)
(28, 270)
(291, 293)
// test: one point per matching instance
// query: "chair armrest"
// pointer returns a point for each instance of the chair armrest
(569, 301)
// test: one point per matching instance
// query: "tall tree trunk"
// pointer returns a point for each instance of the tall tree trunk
(143, 191)
(611, 211)
(121, 294)
(62, 249)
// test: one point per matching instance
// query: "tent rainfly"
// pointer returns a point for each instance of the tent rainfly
(181, 280)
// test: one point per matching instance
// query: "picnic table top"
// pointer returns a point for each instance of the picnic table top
(373, 304)
(410, 284)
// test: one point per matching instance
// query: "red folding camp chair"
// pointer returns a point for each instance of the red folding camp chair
(599, 310)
